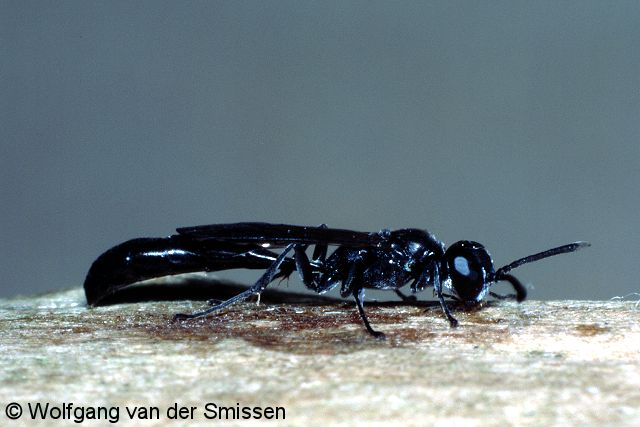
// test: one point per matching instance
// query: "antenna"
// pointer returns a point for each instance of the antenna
(571, 247)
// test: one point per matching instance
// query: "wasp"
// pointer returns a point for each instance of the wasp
(384, 260)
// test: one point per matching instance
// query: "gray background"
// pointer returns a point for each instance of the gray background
(511, 123)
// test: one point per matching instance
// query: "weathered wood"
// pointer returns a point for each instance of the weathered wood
(536, 363)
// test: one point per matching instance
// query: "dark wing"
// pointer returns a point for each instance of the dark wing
(280, 234)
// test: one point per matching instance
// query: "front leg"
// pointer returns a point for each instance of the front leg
(437, 285)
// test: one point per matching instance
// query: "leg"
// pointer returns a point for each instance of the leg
(309, 274)
(316, 274)
(258, 287)
(358, 294)
(320, 250)
(453, 297)
(352, 286)
(521, 291)
(425, 278)
(438, 288)
(503, 297)
(304, 267)
(311, 278)
(405, 298)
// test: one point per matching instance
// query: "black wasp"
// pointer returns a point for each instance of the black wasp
(386, 259)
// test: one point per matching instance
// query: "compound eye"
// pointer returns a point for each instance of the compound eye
(469, 265)
(461, 265)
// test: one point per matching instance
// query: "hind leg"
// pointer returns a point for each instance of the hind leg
(257, 288)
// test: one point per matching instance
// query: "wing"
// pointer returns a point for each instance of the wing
(280, 234)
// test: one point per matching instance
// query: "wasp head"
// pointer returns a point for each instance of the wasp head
(470, 270)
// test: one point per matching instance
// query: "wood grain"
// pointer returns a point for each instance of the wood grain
(535, 363)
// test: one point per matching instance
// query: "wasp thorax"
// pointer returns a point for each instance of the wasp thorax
(469, 266)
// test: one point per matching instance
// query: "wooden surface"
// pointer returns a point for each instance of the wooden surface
(536, 363)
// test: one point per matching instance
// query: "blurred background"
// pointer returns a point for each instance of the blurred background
(513, 123)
